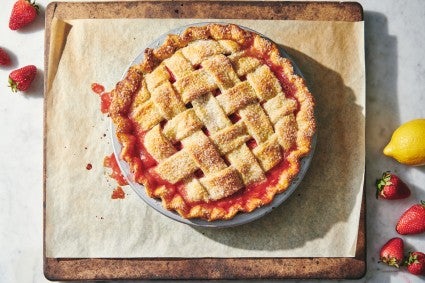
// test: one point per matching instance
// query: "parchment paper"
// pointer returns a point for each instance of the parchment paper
(319, 220)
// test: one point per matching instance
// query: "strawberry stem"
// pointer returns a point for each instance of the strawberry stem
(36, 7)
(391, 261)
(412, 259)
(381, 183)
(13, 85)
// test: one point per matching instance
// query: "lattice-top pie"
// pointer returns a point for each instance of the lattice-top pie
(213, 122)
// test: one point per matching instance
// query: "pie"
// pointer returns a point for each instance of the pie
(213, 122)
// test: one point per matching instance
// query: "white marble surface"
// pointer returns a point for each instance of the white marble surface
(395, 65)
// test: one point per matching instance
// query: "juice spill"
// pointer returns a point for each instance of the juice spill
(118, 193)
(97, 88)
(111, 162)
(105, 97)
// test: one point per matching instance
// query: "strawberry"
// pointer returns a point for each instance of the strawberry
(4, 58)
(22, 78)
(392, 252)
(390, 186)
(23, 13)
(416, 263)
(413, 220)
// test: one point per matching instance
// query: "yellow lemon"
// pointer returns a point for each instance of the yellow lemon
(407, 144)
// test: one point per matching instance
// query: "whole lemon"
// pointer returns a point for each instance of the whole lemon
(407, 144)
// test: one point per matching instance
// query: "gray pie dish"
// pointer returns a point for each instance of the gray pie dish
(241, 217)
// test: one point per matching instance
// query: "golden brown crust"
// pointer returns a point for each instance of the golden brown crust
(280, 122)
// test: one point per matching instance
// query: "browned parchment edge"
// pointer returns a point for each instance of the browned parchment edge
(203, 268)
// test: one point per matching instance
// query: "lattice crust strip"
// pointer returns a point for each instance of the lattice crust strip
(215, 118)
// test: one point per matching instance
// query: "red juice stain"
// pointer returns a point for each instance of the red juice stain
(105, 102)
(178, 146)
(199, 174)
(251, 144)
(105, 97)
(111, 162)
(234, 118)
(89, 166)
(216, 92)
(118, 193)
(172, 77)
(97, 88)
(162, 124)
(206, 132)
